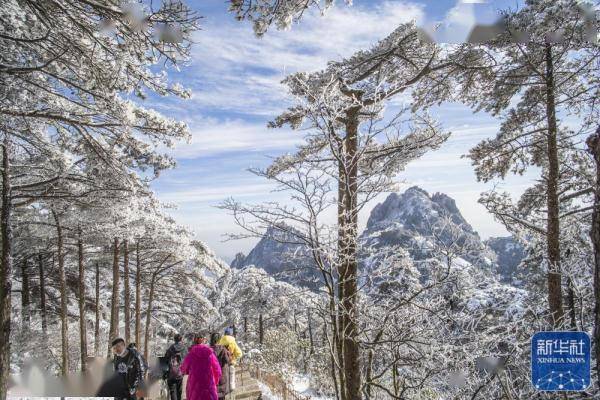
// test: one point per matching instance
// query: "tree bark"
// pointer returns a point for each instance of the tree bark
(114, 307)
(553, 224)
(571, 301)
(43, 295)
(339, 322)
(64, 323)
(593, 143)
(369, 376)
(149, 316)
(25, 297)
(82, 320)
(138, 295)
(348, 262)
(127, 294)
(97, 320)
(7, 268)
(295, 323)
(310, 333)
(334, 369)
(261, 332)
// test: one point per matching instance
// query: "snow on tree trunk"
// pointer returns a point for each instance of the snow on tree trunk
(25, 299)
(261, 330)
(82, 319)
(347, 257)
(6, 277)
(310, 332)
(149, 316)
(97, 319)
(115, 303)
(593, 144)
(64, 322)
(553, 226)
(138, 295)
(42, 278)
(127, 294)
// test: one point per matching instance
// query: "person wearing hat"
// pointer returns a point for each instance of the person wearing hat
(228, 341)
(203, 371)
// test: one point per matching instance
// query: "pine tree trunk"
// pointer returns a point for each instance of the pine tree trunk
(97, 320)
(43, 295)
(337, 347)
(114, 308)
(571, 301)
(553, 225)
(295, 323)
(339, 323)
(127, 294)
(369, 372)
(82, 319)
(64, 324)
(310, 333)
(593, 143)
(334, 369)
(7, 268)
(25, 299)
(261, 332)
(138, 295)
(149, 316)
(348, 263)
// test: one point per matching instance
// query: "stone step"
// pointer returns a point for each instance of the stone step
(249, 393)
(244, 381)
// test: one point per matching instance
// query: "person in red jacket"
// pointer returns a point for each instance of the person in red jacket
(204, 372)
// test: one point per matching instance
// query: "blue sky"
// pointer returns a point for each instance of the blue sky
(235, 79)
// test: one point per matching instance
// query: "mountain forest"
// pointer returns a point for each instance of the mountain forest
(355, 286)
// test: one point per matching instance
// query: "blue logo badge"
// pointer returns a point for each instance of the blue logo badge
(560, 361)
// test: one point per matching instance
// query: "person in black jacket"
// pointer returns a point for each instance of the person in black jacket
(174, 357)
(224, 357)
(133, 347)
(130, 370)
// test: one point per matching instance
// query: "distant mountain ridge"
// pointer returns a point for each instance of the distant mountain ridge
(279, 254)
(403, 220)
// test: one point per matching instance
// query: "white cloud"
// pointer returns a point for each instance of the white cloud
(216, 194)
(211, 136)
(458, 23)
(236, 72)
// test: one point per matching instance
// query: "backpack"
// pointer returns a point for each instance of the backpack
(224, 357)
(175, 367)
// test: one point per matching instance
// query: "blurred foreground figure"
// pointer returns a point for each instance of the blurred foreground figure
(128, 380)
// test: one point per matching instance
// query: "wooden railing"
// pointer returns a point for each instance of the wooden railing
(276, 383)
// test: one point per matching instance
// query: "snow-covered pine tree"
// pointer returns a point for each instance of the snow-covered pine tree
(344, 108)
(66, 71)
(544, 71)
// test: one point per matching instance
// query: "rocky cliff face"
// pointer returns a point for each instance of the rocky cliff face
(411, 220)
(415, 219)
(509, 254)
(280, 254)
(238, 261)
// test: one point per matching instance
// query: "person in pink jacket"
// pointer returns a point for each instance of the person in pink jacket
(204, 372)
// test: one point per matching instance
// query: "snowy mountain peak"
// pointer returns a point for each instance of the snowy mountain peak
(416, 210)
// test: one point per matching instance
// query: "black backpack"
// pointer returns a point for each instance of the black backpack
(175, 367)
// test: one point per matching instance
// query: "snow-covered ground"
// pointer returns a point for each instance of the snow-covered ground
(301, 384)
